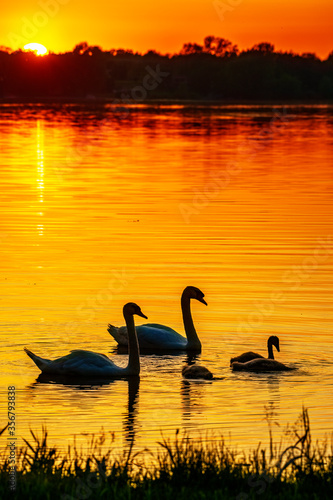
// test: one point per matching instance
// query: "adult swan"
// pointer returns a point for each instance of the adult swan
(91, 364)
(157, 337)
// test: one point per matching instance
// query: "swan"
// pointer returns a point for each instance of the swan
(91, 364)
(248, 356)
(196, 371)
(153, 336)
(261, 365)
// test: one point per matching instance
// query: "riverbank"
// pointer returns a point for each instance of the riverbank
(295, 469)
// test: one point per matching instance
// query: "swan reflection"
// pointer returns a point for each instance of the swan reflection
(192, 397)
(129, 416)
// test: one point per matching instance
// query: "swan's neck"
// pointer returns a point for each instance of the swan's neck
(270, 351)
(192, 337)
(133, 366)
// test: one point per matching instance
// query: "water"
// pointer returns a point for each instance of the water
(102, 206)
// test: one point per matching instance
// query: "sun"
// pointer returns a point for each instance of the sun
(36, 47)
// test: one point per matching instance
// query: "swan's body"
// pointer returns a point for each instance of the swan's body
(248, 356)
(196, 371)
(156, 337)
(166, 338)
(90, 364)
(260, 365)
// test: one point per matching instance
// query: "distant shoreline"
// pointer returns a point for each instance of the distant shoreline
(215, 72)
(90, 101)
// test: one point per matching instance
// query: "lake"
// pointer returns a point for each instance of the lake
(103, 205)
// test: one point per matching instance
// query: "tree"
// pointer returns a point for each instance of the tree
(152, 53)
(84, 49)
(7, 50)
(80, 48)
(191, 48)
(310, 55)
(219, 46)
(263, 48)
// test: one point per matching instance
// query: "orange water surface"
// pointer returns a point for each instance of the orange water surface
(101, 206)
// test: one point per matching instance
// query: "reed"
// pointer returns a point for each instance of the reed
(182, 467)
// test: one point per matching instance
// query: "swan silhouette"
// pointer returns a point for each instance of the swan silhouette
(154, 336)
(248, 356)
(90, 364)
(261, 365)
(196, 371)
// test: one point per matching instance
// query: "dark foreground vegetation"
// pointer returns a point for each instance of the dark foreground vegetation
(182, 469)
(216, 70)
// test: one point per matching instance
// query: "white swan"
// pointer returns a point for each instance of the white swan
(248, 356)
(90, 364)
(157, 337)
(196, 371)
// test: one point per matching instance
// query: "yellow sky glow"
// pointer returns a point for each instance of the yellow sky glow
(299, 25)
(36, 47)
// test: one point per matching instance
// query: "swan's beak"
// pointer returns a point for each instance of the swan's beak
(142, 315)
(203, 301)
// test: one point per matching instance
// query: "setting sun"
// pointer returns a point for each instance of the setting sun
(166, 236)
(36, 47)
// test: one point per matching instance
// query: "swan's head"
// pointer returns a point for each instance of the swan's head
(273, 340)
(132, 308)
(194, 293)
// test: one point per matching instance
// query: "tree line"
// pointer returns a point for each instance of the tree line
(215, 70)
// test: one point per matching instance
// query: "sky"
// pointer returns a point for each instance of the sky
(298, 25)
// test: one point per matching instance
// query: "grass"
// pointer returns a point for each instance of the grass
(181, 468)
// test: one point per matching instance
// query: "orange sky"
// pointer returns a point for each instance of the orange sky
(300, 25)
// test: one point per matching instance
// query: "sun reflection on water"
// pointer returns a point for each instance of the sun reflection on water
(40, 172)
(70, 224)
